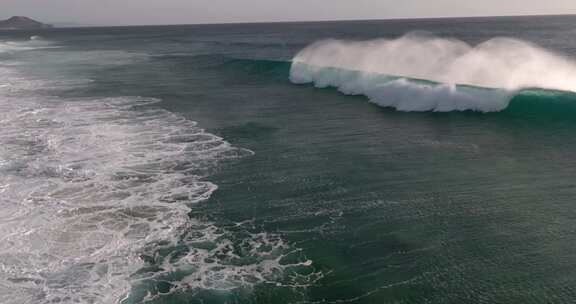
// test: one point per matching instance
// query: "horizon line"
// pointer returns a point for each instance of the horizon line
(342, 20)
(77, 24)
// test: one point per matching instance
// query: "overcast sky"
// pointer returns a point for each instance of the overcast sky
(120, 12)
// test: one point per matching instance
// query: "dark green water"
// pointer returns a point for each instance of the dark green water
(341, 201)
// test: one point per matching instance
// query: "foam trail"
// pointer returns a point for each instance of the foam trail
(503, 64)
(96, 193)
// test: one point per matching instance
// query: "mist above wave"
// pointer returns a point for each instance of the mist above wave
(504, 63)
(427, 73)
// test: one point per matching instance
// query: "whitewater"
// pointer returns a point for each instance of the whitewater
(420, 72)
(94, 189)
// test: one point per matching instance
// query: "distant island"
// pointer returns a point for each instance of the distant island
(22, 23)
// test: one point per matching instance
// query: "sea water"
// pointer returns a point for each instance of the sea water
(407, 161)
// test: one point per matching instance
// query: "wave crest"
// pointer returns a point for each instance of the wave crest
(443, 74)
(504, 63)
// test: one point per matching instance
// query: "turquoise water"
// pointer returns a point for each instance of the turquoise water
(180, 164)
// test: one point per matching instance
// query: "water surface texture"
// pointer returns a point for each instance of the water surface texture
(408, 161)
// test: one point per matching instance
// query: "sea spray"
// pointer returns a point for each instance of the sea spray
(457, 76)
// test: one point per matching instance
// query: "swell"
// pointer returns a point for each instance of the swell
(276, 68)
(543, 104)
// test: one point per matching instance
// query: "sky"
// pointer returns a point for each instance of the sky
(137, 12)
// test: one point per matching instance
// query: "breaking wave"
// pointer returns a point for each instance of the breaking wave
(425, 73)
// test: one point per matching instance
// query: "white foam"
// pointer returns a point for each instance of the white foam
(34, 43)
(88, 186)
(220, 261)
(508, 65)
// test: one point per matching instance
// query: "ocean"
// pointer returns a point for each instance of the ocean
(400, 161)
